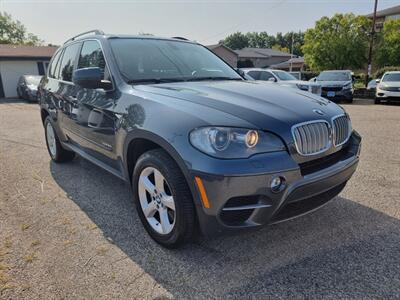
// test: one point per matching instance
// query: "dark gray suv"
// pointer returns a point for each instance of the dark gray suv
(201, 147)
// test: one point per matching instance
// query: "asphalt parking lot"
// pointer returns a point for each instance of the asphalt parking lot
(70, 231)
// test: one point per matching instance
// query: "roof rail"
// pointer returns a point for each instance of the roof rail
(180, 38)
(95, 31)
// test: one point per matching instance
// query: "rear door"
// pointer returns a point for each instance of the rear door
(67, 91)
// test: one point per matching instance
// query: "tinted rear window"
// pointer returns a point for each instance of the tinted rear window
(52, 70)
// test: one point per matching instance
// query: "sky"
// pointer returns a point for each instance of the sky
(203, 20)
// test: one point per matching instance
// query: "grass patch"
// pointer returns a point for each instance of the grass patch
(102, 251)
(25, 227)
(91, 226)
(30, 258)
(35, 243)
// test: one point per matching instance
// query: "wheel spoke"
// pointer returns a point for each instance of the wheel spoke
(147, 184)
(165, 225)
(150, 210)
(168, 201)
(159, 181)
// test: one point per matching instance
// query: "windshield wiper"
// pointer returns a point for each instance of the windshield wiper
(213, 78)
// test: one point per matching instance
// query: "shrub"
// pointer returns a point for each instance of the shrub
(379, 73)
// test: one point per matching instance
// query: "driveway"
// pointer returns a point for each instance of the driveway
(70, 231)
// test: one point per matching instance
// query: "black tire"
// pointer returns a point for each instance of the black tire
(350, 100)
(185, 217)
(61, 155)
(377, 101)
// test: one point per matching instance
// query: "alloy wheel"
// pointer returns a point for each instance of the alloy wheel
(51, 139)
(156, 200)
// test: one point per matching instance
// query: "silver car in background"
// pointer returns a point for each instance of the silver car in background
(282, 78)
(27, 87)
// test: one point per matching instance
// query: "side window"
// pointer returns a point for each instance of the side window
(68, 62)
(53, 64)
(266, 75)
(92, 56)
(254, 74)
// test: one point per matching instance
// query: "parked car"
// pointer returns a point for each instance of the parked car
(200, 146)
(282, 78)
(296, 75)
(27, 87)
(336, 85)
(372, 84)
(388, 88)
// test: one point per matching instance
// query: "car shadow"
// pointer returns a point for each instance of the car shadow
(344, 250)
(16, 101)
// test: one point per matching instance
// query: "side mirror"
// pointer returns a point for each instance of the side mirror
(377, 80)
(90, 78)
(272, 79)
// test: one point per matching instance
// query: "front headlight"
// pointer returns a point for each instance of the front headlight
(383, 87)
(348, 86)
(226, 142)
(303, 87)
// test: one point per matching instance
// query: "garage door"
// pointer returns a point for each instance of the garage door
(11, 71)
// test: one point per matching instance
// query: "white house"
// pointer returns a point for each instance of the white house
(17, 60)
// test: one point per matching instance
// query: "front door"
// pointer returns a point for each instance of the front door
(94, 116)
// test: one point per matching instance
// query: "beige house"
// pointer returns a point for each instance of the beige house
(261, 57)
(225, 53)
(295, 64)
(392, 13)
(18, 60)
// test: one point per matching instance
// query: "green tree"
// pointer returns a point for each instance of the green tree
(14, 32)
(236, 41)
(340, 42)
(388, 47)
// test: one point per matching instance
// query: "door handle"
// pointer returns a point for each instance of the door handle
(95, 118)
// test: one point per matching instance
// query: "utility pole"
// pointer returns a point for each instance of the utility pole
(371, 43)
(291, 53)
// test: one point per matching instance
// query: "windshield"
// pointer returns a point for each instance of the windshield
(282, 75)
(391, 77)
(334, 76)
(35, 80)
(141, 60)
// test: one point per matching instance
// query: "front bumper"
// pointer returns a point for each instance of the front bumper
(387, 95)
(244, 202)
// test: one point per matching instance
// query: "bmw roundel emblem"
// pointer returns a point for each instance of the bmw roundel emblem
(318, 111)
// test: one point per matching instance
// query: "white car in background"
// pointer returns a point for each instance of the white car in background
(388, 88)
(282, 78)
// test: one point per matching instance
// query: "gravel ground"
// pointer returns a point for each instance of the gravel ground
(70, 231)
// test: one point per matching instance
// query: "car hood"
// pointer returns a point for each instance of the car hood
(333, 83)
(294, 82)
(390, 84)
(267, 106)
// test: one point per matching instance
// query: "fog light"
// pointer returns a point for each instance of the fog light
(277, 184)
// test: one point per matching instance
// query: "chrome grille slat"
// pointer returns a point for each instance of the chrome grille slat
(311, 137)
(341, 130)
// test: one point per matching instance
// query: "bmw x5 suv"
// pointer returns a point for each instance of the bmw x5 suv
(201, 147)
